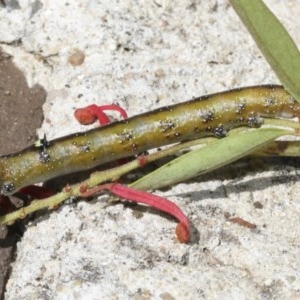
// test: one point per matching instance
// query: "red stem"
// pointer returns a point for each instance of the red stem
(91, 113)
(163, 204)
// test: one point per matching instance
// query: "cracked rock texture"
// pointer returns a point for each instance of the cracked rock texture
(142, 55)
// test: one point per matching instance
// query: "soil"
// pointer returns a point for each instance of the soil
(20, 115)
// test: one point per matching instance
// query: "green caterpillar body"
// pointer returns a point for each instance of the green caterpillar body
(211, 115)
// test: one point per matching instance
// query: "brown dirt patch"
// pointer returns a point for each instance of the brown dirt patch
(20, 116)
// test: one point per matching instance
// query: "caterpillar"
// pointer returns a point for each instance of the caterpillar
(210, 115)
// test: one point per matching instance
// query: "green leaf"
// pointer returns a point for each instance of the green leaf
(208, 158)
(273, 40)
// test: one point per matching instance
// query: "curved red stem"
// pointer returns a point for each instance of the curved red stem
(91, 113)
(163, 204)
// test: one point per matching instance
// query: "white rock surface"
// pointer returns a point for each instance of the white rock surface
(146, 54)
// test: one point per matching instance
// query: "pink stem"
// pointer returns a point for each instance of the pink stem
(163, 204)
(91, 113)
(116, 108)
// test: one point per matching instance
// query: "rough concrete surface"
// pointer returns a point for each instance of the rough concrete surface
(146, 54)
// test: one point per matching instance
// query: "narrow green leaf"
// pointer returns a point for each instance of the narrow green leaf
(208, 158)
(273, 40)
